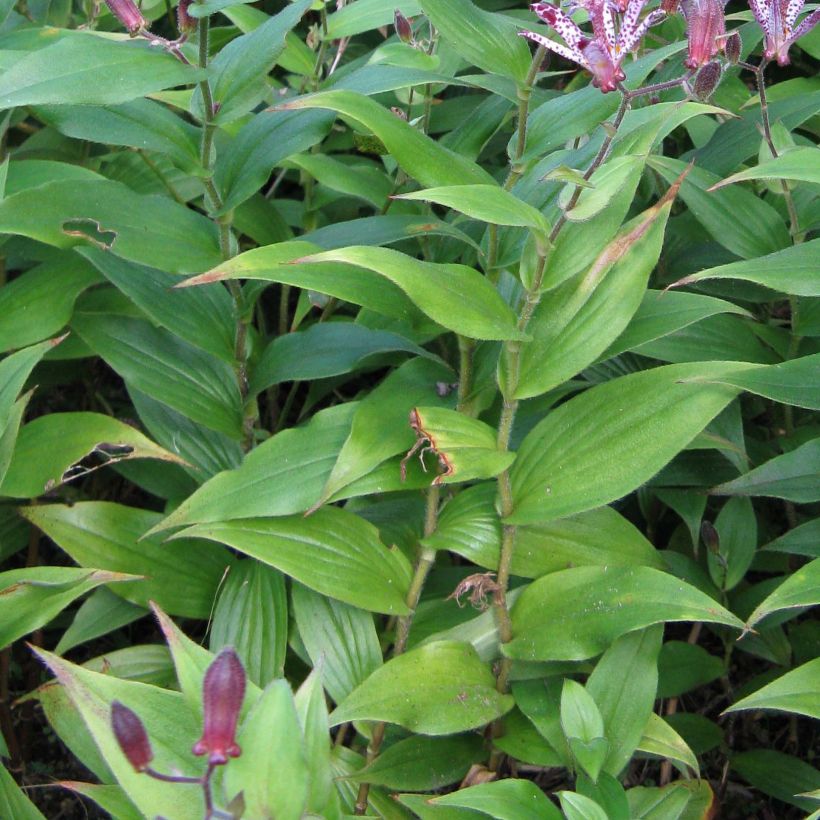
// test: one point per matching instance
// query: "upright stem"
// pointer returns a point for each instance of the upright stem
(466, 347)
(424, 562)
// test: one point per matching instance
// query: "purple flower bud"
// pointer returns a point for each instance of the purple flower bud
(707, 80)
(131, 736)
(403, 27)
(185, 23)
(731, 47)
(128, 14)
(706, 26)
(710, 536)
(223, 691)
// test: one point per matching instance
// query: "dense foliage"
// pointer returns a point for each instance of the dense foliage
(407, 408)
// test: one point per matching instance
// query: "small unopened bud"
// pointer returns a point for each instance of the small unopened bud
(223, 691)
(707, 80)
(128, 14)
(669, 6)
(403, 28)
(131, 736)
(732, 46)
(709, 536)
(185, 23)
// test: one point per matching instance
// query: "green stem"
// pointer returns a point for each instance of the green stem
(466, 347)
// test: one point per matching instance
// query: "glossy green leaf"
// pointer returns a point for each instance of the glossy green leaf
(622, 432)
(684, 799)
(736, 527)
(113, 216)
(583, 727)
(740, 221)
(332, 551)
(361, 181)
(445, 688)
(580, 807)
(51, 450)
(777, 774)
(419, 156)
(366, 15)
(793, 476)
(111, 799)
(455, 296)
(339, 636)
(684, 666)
(281, 476)
(100, 614)
(797, 691)
(251, 615)
(798, 164)
(13, 802)
(488, 203)
(579, 319)
(270, 760)
(589, 607)
(801, 588)
(32, 596)
(86, 69)
(110, 536)
(802, 540)
(661, 740)
(792, 270)
(508, 799)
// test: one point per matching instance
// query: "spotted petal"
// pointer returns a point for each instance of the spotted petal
(564, 51)
(564, 26)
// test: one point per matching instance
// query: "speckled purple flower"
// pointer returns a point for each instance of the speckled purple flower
(777, 19)
(602, 53)
(705, 29)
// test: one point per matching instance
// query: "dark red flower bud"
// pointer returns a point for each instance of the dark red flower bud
(403, 27)
(731, 47)
(223, 691)
(185, 23)
(706, 25)
(128, 14)
(710, 536)
(707, 80)
(131, 736)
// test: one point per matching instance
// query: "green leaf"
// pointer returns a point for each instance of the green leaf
(51, 450)
(797, 691)
(684, 666)
(791, 382)
(736, 526)
(110, 536)
(661, 740)
(792, 270)
(366, 15)
(39, 304)
(740, 221)
(454, 296)
(251, 614)
(166, 368)
(624, 684)
(589, 607)
(116, 218)
(444, 686)
(801, 588)
(269, 760)
(622, 432)
(802, 540)
(779, 775)
(466, 448)
(86, 69)
(357, 180)
(332, 551)
(32, 596)
(482, 38)
(325, 350)
(419, 156)
(422, 763)
(504, 799)
(111, 799)
(487, 203)
(100, 614)
(580, 807)
(283, 475)
(798, 164)
(13, 803)
(583, 727)
(684, 799)
(793, 476)
(340, 637)
(579, 319)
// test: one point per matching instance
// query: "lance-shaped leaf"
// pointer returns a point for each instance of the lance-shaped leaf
(84, 68)
(466, 448)
(53, 449)
(621, 432)
(661, 740)
(111, 799)
(508, 799)
(587, 608)
(332, 551)
(580, 318)
(583, 728)
(419, 156)
(437, 689)
(797, 691)
(457, 297)
(32, 596)
(794, 476)
(800, 589)
(13, 803)
(14, 370)
(792, 271)
(488, 203)
(800, 164)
